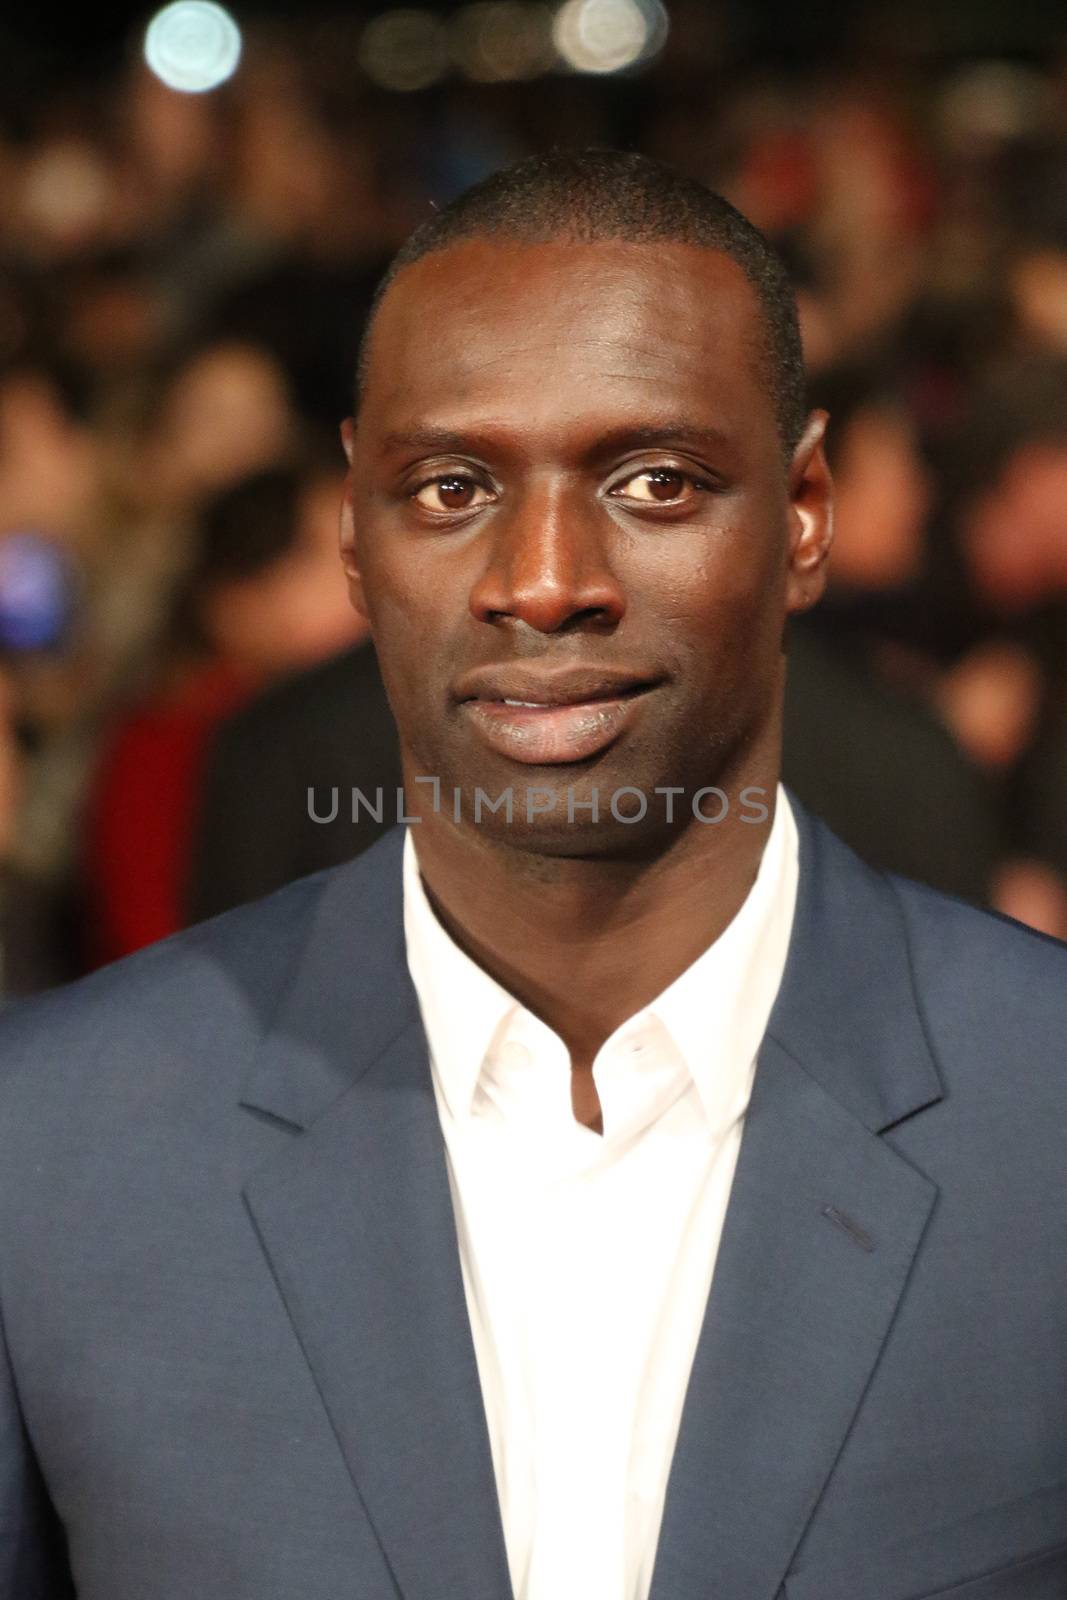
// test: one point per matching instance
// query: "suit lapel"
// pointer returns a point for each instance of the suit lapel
(822, 1225)
(357, 1223)
(799, 1308)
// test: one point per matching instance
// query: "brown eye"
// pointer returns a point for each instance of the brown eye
(656, 485)
(453, 491)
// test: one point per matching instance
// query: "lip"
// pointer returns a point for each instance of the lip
(574, 685)
(574, 713)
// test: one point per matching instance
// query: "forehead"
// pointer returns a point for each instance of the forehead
(565, 333)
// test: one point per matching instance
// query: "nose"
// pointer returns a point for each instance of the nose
(548, 566)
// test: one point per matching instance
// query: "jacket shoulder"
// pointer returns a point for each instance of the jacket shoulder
(985, 981)
(962, 930)
(195, 994)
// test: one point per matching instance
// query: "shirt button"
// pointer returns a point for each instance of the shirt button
(514, 1054)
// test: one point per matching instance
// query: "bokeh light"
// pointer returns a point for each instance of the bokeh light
(405, 49)
(992, 102)
(608, 35)
(192, 45)
(497, 41)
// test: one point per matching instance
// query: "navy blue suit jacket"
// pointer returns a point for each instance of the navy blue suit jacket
(236, 1358)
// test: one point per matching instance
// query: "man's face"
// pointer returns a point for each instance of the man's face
(567, 488)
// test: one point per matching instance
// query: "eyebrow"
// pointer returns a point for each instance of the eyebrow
(425, 439)
(677, 431)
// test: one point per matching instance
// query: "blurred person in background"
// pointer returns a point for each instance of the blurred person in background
(34, 951)
(223, 410)
(953, 588)
(1034, 248)
(54, 543)
(883, 496)
(262, 597)
(308, 183)
(303, 748)
(995, 646)
(119, 507)
(211, 414)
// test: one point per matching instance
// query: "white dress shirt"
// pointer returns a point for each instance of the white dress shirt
(587, 1259)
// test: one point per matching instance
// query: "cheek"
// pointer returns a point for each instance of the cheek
(413, 616)
(717, 595)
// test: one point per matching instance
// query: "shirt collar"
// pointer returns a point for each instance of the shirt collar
(463, 1008)
(715, 1011)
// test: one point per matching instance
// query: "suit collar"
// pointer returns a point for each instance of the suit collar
(853, 1022)
(713, 1015)
(350, 994)
(847, 1009)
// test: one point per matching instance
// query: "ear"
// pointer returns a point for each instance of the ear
(349, 552)
(811, 516)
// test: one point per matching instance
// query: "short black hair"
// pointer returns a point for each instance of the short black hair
(595, 194)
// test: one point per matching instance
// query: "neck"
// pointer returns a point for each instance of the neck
(585, 942)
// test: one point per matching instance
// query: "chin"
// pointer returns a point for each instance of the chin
(554, 834)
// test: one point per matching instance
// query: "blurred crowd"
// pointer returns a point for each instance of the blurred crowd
(183, 280)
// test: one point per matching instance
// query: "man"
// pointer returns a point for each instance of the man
(635, 1196)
